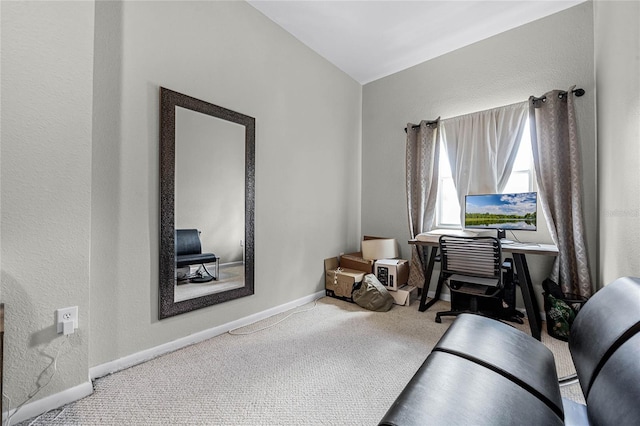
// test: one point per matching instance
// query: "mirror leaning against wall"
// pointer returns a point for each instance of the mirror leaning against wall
(207, 176)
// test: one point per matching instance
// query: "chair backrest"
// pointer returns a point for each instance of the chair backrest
(187, 242)
(471, 256)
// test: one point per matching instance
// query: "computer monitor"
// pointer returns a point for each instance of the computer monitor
(515, 212)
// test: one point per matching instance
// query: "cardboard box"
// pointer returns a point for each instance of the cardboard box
(339, 283)
(379, 248)
(357, 262)
(392, 273)
(404, 295)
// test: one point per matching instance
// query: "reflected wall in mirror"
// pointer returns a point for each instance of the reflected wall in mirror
(206, 204)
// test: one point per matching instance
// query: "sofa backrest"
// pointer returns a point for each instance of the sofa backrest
(604, 344)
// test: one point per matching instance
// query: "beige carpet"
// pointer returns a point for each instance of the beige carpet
(331, 363)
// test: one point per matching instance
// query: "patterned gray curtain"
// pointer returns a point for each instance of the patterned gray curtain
(556, 156)
(422, 185)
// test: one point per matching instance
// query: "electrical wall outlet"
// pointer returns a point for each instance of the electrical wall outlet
(67, 319)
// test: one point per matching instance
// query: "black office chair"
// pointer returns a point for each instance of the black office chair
(189, 252)
(472, 269)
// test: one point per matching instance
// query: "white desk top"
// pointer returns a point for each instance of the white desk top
(530, 248)
(515, 247)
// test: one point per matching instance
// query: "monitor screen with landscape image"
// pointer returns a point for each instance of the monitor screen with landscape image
(514, 212)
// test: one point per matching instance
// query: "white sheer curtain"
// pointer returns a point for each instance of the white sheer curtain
(482, 147)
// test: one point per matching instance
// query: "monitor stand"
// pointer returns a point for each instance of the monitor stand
(502, 234)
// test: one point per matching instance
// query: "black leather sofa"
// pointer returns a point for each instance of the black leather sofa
(485, 372)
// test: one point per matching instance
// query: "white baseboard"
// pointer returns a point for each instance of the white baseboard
(48, 403)
(148, 354)
(67, 396)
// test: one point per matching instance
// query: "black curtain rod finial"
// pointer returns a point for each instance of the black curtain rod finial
(579, 92)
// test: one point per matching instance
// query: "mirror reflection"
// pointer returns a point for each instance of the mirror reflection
(207, 198)
(209, 204)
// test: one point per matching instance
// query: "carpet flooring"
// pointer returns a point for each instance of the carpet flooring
(325, 363)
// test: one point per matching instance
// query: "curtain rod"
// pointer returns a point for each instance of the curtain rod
(578, 92)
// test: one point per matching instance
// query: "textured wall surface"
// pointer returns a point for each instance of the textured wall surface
(552, 53)
(79, 155)
(308, 123)
(617, 47)
(47, 71)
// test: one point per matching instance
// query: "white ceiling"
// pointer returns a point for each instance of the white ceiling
(372, 39)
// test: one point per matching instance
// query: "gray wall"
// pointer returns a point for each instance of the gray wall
(308, 121)
(552, 53)
(79, 173)
(617, 47)
(47, 72)
(80, 202)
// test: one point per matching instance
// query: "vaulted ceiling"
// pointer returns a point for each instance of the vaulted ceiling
(372, 39)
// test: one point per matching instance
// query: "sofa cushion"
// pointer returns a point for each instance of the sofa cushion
(451, 390)
(508, 351)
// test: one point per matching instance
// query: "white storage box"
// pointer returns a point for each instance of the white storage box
(392, 273)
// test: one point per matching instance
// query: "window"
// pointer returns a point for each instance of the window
(521, 180)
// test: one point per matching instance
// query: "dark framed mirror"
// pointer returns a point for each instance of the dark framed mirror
(207, 197)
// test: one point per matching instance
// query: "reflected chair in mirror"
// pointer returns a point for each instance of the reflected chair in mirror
(189, 252)
(472, 269)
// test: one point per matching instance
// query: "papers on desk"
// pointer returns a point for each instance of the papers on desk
(434, 234)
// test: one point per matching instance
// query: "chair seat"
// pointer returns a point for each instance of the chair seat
(476, 286)
(474, 289)
(474, 280)
(192, 259)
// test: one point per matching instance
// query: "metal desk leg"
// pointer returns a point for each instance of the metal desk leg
(428, 271)
(530, 301)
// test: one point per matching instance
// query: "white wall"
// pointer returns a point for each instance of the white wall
(552, 53)
(308, 123)
(47, 72)
(617, 47)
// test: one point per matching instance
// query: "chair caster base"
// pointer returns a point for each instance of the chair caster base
(201, 279)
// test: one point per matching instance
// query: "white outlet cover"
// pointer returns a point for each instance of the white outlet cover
(66, 314)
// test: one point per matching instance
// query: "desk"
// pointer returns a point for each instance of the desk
(519, 252)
